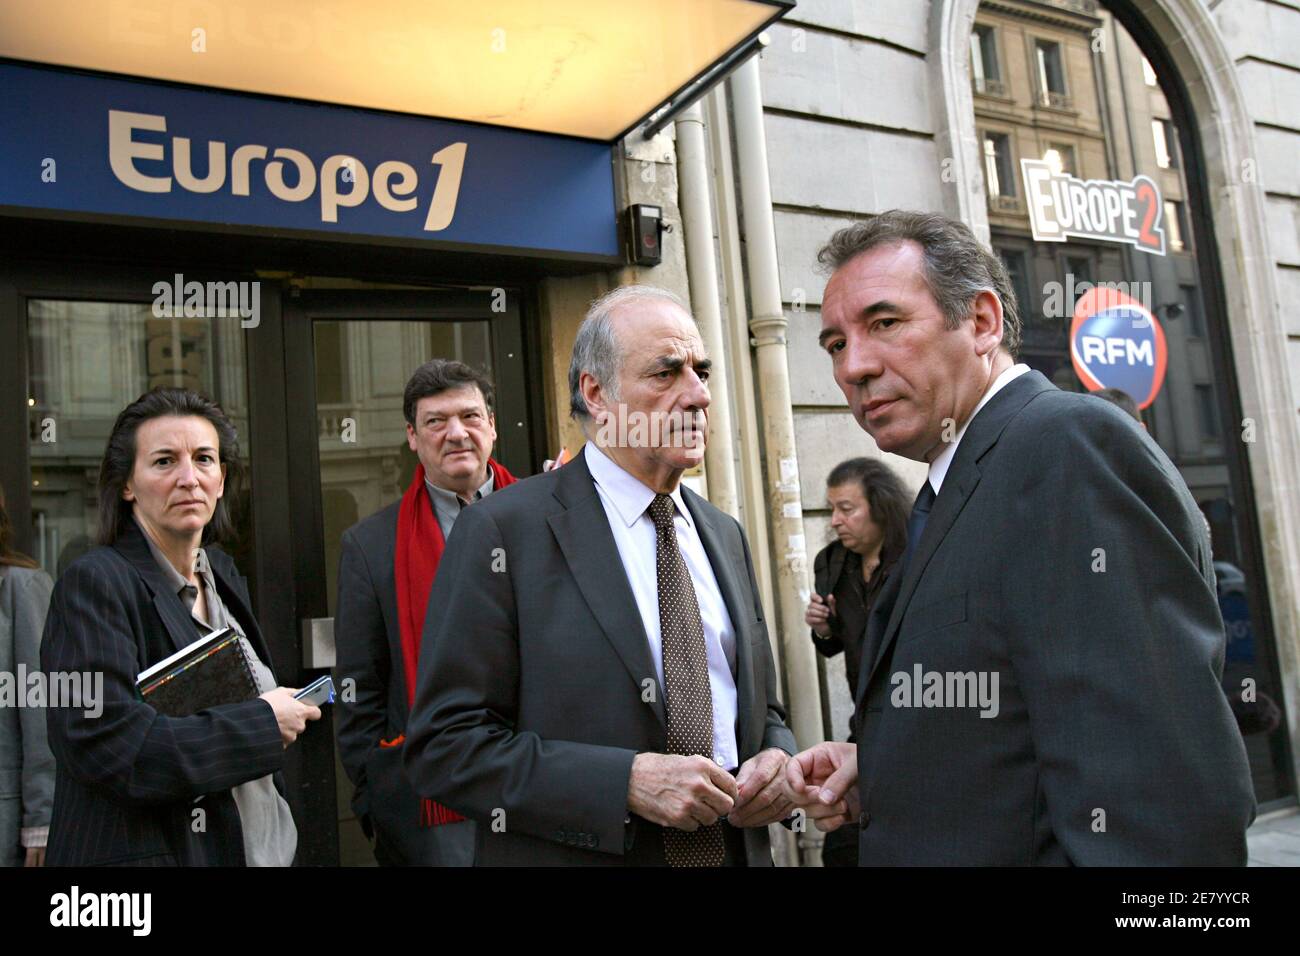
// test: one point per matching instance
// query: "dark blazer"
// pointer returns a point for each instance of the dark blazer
(1112, 743)
(834, 573)
(537, 688)
(127, 781)
(368, 641)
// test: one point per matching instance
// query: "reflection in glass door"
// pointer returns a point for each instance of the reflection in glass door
(354, 350)
(361, 372)
(86, 362)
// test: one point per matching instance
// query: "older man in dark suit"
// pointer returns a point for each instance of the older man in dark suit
(600, 689)
(1040, 683)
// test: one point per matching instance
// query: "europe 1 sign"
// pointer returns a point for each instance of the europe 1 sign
(1061, 206)
(85, 146)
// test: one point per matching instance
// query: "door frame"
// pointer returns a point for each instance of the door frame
(516, 448)
(264, 365)
(49, 266)
(515, 444)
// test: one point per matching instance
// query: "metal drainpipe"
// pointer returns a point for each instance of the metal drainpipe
(697, 227)
(768, 324)
(753, 497)
(749, 466)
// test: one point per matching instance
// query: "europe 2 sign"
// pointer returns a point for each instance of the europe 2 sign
(1061, 205)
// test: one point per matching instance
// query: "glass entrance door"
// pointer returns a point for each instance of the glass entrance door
(361, 369)
(349, 355)
(87, 360)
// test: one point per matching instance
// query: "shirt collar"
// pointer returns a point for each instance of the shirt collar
(453, 499)
(174, 577)
(629, 495)
(939, 467)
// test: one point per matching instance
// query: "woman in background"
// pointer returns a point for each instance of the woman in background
(26, 764)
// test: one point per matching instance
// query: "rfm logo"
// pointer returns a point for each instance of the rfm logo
(1115, 342)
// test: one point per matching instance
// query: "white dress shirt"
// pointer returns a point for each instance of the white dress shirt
(626, 499)
(939, 467)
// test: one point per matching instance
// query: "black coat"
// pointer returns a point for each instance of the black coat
(1065, 556)
(533, 694)
(127, 780)
(834, 573)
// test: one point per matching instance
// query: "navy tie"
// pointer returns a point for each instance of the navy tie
(916, 522)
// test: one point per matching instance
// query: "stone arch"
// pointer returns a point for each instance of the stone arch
(1224, 131)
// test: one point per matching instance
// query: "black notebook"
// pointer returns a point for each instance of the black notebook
(213, 670)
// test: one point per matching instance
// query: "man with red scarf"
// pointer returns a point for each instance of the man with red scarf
(386, 571)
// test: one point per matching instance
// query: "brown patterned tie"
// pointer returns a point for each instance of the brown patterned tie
(689, 698)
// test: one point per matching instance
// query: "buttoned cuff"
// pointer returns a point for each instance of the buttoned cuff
(34, 837)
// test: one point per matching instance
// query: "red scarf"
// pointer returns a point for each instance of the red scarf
(419, 549)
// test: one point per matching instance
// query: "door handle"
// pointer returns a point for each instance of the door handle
(318, 643)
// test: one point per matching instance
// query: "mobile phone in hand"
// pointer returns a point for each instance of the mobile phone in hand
(318, 692)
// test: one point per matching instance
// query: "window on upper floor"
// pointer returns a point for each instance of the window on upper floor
(1017, 272)
(1051, 74)
(1209, 413)
(1175, 226)
(986, 73)
(1192, 309)
(1078, 269)
(1060, 156)
(1162, 132)
(999, 173)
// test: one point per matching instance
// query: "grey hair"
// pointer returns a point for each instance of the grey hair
(596, 350)
(957, 267)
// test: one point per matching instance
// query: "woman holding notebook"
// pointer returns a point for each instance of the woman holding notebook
(135, 787)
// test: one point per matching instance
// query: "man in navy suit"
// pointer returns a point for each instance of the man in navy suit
(1040, 679)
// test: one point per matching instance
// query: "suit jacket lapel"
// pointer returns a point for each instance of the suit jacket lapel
(584, 538)
(176, 619)
(877, 621)
(957, 488)
(958, 485)
(726, 564)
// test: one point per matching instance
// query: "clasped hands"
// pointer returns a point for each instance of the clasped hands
(823, 782)
(691, 792)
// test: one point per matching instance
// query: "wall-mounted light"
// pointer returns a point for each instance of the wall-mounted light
(645, 227)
